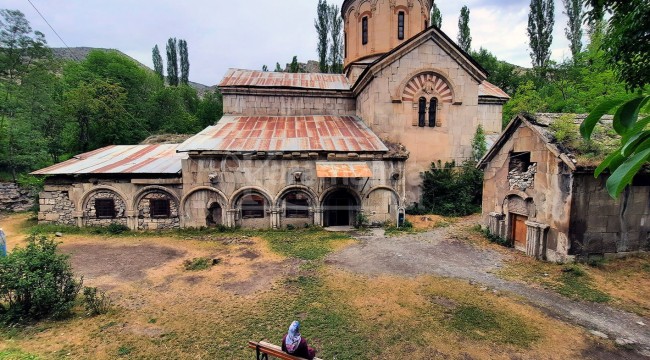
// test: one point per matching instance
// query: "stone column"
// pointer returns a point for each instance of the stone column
(496, 224)
(231, 217)
(79, 218)
(536, 239)
(275, 218)
(318, 216)
(131, 220)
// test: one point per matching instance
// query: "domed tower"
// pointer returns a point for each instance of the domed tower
(375, 27)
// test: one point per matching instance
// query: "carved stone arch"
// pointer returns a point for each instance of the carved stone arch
(153, 188)
(247, 190)
(430, 79)
(384, 187)
(82, 201)
(198, 216)
(301, 188)
(332, 189)
(520, 204)
(224, 198)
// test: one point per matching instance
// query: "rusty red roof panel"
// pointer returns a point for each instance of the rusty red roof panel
(121, 159)
(253, 78)
(286, 134)
(488, 89)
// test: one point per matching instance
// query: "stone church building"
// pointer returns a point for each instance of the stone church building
(300, 149)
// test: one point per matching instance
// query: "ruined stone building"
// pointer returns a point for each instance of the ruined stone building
(297, 149)
(541, 194)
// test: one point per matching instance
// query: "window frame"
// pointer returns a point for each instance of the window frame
(154, 206)
(293, 210)
(250, 211)
(433, 112)
(400, 25)
(422, 111)
(101, 208)
(364, 30)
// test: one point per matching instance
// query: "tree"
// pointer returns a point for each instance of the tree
(295, 65)
(185, 62)
(336, 48)
(436, 16)
(265, 68)
(210, 108)
(479, 146)
(573, 31)
(527, 100)
(278, 68)
(322, 25)
(157, 62)
(36, 282)
(464, 37)
(502, 74)
(172, 62)
(540, 31)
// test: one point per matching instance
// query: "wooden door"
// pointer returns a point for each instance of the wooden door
(519, 231)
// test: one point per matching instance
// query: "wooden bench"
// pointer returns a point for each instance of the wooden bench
(264, 350)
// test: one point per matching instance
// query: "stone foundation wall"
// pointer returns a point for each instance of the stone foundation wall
(56, 208)
(90, 214)
(147, 222)
(15, 198)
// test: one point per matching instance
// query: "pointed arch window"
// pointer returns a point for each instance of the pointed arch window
(364, 30)
(433, 109)
(422, 111)
(400, 25)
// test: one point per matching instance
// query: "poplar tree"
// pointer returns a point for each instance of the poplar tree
(322, 25)
(573, 31)
(295, 66)
(436, 16)
(464, 37)
(172, 62)
(185, 62)
(157, 62)
(336, 33)
(278, 68)
(540, 31)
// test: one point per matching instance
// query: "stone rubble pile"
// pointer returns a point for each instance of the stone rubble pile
(522, 180)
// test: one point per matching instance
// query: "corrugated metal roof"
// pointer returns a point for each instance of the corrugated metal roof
(121, 159)
(253, 78)
(488, 89)
(286, 134)
(331, 169)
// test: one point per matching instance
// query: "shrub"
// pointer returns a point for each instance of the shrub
(451, 191)
(197, 264)
(362, 220)
(117, 229)
(407, 224)
(36, 282)
(96, 303)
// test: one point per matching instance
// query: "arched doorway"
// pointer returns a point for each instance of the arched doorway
(215, 215)
(340, 208)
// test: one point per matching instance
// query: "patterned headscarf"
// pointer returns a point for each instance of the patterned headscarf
(293, 337)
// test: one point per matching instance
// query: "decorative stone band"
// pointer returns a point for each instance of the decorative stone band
(536, 239)
(431, 84)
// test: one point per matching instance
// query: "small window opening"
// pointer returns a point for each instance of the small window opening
(400, 25)
(519, 161)
(433, 109)
(159, 208)
(297, 205)
(364, 30)
(105, 208)
(422, 110)
(252, 207)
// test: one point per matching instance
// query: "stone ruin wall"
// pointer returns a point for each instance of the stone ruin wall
(147, 222)
(15, 198)
(56, 208)
(90, 216)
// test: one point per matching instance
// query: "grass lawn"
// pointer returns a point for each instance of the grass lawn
(262, 280)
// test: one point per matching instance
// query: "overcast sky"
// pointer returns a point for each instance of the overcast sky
(251, 33)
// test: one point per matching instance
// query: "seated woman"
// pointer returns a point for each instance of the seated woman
(294, 344)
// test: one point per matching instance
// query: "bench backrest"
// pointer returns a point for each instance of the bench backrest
(264, 347)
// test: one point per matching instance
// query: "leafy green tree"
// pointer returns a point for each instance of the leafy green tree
(173, 110)
(185, 62)
(479, 145)
(295, 65)
(336, 37)
(452, 191)
(526, 100)
(172, 62)
(502, 74)
(278, 68)
(573, 31)
(322, 25)
(157, 62)
(36, 282)
(541, 20)
(436, 16)
(464, 37)
(210, 108)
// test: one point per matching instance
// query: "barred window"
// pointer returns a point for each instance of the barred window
(297, 205)
(364, 30)
(400, 25)
(105, 208)
(433, 108)
(159, 208)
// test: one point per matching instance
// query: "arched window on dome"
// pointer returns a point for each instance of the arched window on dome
(433, 109)
(400, 25)
(422, 111)
(364, 30)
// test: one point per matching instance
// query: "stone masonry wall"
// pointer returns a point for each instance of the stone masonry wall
(90, 216)
(147, 222)
(260, 105)
(15, 198)
(56, 208)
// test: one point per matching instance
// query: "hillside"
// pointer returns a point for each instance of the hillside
(80, 53)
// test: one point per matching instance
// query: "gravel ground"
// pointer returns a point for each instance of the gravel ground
(436, 252)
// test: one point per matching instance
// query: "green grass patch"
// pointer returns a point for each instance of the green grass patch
(15, 354)
(124, 350)
(492, 325)
(197, 264)
(575, 283)
(308, 244)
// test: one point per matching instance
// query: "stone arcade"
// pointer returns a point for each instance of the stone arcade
(296, 149)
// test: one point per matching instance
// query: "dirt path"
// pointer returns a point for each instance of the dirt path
(437, 252)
